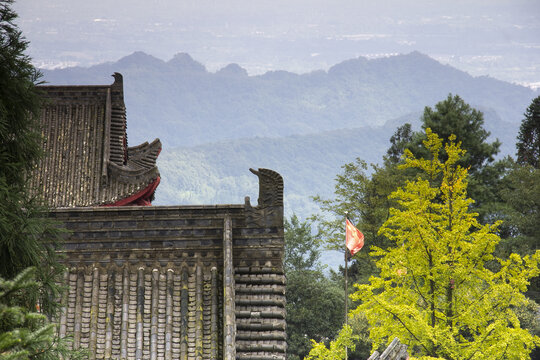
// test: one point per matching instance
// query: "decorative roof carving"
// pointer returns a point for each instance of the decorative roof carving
(269, 211)
(88, 161)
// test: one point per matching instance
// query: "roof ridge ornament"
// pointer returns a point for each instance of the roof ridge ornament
(269, 210)
(118, 79)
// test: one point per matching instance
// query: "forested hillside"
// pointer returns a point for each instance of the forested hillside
(218, 172)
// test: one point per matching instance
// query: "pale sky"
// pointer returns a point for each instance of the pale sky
(499, 38)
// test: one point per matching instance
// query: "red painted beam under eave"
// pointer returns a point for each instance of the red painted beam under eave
(140, 198)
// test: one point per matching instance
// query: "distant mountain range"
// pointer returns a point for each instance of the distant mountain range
(186, 105)
(214, 126)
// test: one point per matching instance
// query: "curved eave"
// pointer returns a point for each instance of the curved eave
(143, 197)
(127, 175)
(140, 167)
(138, 178)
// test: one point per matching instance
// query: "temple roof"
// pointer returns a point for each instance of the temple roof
(87, 161)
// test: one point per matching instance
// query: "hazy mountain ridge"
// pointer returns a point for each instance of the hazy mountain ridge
(182, 103)
(218, 172)
(309, 164)
(303, 35)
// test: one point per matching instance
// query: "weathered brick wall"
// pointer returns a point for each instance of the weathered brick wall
(147, 282)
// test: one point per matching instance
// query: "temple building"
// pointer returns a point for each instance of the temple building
(155, 282)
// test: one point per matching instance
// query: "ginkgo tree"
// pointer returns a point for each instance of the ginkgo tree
(440, 289)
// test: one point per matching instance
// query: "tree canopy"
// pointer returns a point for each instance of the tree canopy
(20, 149)
(489, 190)
(23, 334)
(302, 251)
(362, 191)
(453, 116)
(435, 290)
(314, 302)
(528, 144)
(27, 238)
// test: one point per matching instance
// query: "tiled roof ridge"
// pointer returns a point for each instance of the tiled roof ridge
(118, 134)
(73, 87)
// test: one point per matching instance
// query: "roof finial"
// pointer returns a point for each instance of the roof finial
(118, 79)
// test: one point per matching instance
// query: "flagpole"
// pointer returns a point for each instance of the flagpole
(346, 287)
(354, 241)
(346, 281)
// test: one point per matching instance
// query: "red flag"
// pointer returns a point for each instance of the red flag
(354, 239)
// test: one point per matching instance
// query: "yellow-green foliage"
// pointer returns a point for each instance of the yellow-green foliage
(436, 292)
(337, 348)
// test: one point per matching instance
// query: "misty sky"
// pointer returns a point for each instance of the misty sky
(497, 38)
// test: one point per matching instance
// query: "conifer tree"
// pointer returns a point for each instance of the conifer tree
(26, 237)
(28, 297)
(23, 334)
(20, 149)
(453, 116)
(528, 145)
(521, 193)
